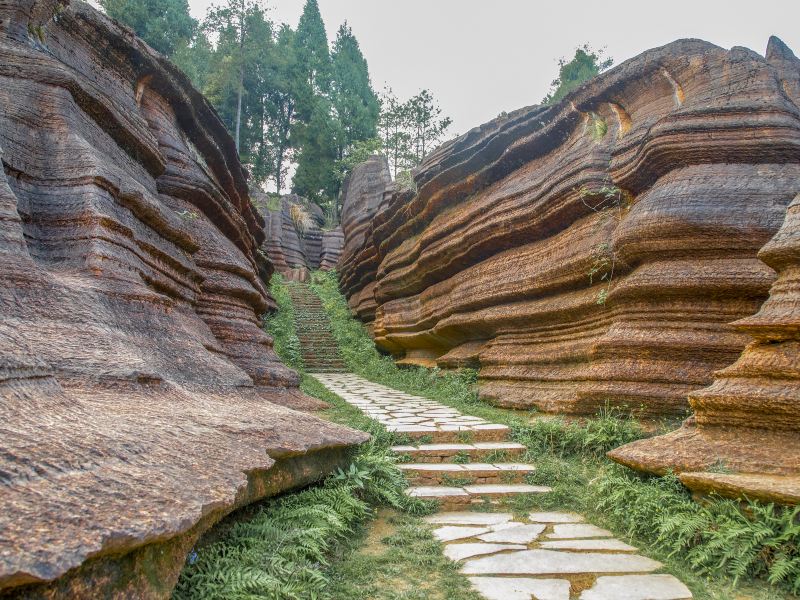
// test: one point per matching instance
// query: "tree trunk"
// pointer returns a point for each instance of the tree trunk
(239, 108)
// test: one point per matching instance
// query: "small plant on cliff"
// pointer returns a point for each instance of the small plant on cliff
(301, 218)
(604, 200)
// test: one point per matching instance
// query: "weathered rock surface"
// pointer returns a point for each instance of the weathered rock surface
(140, 401)
(295, 241)
(332, 242)
(592, 251)
(746, 425)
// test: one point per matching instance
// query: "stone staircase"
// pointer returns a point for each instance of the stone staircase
(318, 347)
(453, 458)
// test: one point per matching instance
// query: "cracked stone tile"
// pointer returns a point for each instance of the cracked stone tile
(521, 534)
(468, 518)
(519, 588)
(449, 533)
(569, 531)
(457, 552)
(611, 545)
(551, 562)
(637, 587)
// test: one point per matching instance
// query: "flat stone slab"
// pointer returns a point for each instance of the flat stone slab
(449, 533)
(570, 531)
(456, 552)
(469, 518)
(436, 491)
(519, 588)
(600, 544)
(551, 562)
(637, 587)
(555, 517)
(501, 489)
(433, 467)
(520, 534)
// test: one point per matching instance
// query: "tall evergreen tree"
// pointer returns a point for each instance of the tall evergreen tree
(316, 130)
(243, 45)
(164, 24)
(354, 100)
(282, 87)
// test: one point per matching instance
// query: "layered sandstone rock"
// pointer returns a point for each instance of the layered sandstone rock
(295, 241)
(366, 190)
(744, 437)
(332, 242)
(594, 251)
(140, 401)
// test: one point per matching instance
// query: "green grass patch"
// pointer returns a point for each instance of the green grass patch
(720, 548)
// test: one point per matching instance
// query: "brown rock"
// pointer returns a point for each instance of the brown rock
(590, 252)
(140, 400)
(295, 241)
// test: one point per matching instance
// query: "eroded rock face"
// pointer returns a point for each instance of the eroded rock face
(591, 252)
(744, 438)
(295, 241)
(140, 400)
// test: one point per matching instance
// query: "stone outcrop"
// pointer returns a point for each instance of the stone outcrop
(366, 190)
(295, 241)
(594, 251)
(744, 437)
(332, 242)
(140, 400)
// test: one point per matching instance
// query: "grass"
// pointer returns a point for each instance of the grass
(721, 549)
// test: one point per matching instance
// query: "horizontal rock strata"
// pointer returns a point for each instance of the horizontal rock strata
(295, 241)
(591, 252)
(744, 438)
(140, 401)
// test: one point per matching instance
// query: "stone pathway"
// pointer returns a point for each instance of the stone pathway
(318, 347)
(463, 461)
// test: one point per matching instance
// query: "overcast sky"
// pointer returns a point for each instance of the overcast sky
(481, 57)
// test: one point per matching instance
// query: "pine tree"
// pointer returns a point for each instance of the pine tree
(356, 104)
(166, 25)
(316, 129)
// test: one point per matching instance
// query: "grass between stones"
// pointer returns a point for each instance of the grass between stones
(721, 549)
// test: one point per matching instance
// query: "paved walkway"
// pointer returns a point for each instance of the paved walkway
(463, 461)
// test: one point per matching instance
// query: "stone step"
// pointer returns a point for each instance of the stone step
(428, 474)
(442, 434)
(458, 497)
(447, 453)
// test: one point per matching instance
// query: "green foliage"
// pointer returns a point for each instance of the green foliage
(586, 63)
(411, 129)
(721, 536)
(280, 325)
(166, 25)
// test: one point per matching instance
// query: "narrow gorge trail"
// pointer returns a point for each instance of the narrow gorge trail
(467, 465)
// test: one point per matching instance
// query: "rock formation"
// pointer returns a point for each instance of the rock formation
(140, 400)
(594, 251)
(744, 437)
(295, 241)
(332, 242)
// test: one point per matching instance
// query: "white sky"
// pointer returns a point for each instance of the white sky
(482, 57)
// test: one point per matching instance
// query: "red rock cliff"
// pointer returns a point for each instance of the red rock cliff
(140, 399)
(591, 252)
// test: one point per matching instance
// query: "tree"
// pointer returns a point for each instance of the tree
(316, 177)
(586, 63)
(281, 92)
(354, 101)
(316, 129)
(427, 124)
(166, 25)
(410, 130)
(244, 38)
